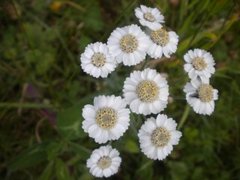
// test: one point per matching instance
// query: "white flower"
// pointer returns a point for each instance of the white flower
(146, 92)
(104, 162)
(150, 17)
(163, 42)
(107, 119)
(201, 97)
(97, 61)
(157, 137)
(199, 65)
(128, 44)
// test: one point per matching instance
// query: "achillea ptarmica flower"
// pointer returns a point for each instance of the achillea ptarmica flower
(199, 65)
(128, 44)
(146, 92)
(163, 43)
(201, 96)
(107, 119)
(104, 162)
(149, 17)
(97, 61)
(157, 137)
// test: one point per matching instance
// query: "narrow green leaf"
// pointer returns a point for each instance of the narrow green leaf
(80, 150)
(30, 157)
(46, 175)
(62, 172)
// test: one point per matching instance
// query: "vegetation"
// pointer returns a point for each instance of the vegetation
(43, 89)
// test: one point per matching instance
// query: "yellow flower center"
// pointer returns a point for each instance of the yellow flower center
(160, 37)
(160, 137)
(199, 63)
(98, 59)
(147, 91)
(205, 93)
(104, 162)
(128, 43)
(149, 17)
(106, 118)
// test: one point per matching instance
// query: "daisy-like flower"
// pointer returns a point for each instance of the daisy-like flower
(201, 96)
(149, 17)
(128, 44)
(163, 42)
(146, 92)
(104, 162)
(97, 61)
(199, 65)
(107, 119)
(157, 137)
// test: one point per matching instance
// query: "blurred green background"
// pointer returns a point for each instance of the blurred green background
(43, 89)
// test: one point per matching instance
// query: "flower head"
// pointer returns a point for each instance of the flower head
(104, 162)
(146, 91)
(150, 17)
(97, 61)
(107, 119)
(163, 42)
(128, 44)
(199, 65)
(201, 97)
(157, 137)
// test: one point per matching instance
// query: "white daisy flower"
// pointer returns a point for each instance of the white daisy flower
(157, 137)
(163, 42)
(146, 92)
(97, 61)
(128, 44)
(199, 65)
(149, 17)
(104, 162)
(107, 119)
(201, 97)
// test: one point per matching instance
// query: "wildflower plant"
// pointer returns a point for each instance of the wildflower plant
(145, 92)
(111, 89)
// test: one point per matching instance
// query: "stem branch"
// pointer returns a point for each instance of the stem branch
(184, 116)
(23, 105)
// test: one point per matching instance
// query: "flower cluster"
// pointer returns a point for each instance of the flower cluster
(200, 95)
(145, 92)
(130, 44)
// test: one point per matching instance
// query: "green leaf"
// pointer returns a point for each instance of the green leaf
(80, 150)
(69, 120)
(84, 41)
(145, 171)
(30, 157)
(131, 146)
(45, 63)
(46, 175)
(86, 176)
(92, 18)
(53, 150)
(41, 61)
(179, 170)
(62, 172)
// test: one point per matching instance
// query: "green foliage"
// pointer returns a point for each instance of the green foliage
(61, 170)
(29, 158)
(41, 136)
(69, 123)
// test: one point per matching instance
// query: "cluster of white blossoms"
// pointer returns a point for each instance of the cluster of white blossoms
(130, 44)
(200, 95)
(145, 92)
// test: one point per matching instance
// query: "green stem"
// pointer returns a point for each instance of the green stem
(184, 116)
(23, 105)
